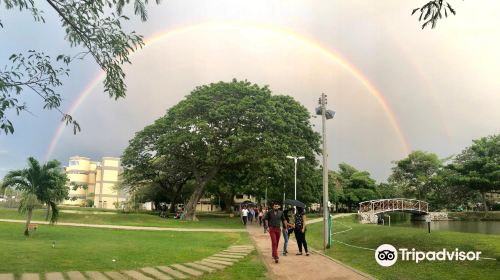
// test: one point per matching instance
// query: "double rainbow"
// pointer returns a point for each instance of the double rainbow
(276, 31)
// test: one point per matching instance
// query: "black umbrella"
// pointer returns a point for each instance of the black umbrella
(295, 203)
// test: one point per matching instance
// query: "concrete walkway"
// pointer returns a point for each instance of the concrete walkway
(130, 227)
(315, 266)
(218, 261)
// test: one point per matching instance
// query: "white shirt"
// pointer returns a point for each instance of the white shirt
(244, 212)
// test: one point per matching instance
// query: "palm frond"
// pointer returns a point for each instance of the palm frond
(28, 201)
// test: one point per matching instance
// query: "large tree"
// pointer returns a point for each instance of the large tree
(449, 192)
(355, 186)
(44, 183)
(95, 27)
(414, 174)
(478, 166)
(233, 127)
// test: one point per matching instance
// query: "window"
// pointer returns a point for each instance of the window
(239, 196)
(73, 162)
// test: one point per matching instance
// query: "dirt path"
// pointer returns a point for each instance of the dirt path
(315, 266)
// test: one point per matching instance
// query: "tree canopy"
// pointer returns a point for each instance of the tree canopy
(413, 174)
(478, 166)
(225, 132)
(355, 186)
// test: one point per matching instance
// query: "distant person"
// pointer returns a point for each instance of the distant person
(163, 211)
(261, 215)
(300, 230)
(273, 220)
(251, 214)
(263, 218)
(244, 215)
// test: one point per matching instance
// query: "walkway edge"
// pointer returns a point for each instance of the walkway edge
(269, 272)
(341, 263)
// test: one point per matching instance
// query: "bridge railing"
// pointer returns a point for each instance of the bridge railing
(393, 204)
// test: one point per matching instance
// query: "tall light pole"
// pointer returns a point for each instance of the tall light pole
(326, 115)
(295, 159)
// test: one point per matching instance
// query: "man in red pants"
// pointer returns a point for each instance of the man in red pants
(274, 219)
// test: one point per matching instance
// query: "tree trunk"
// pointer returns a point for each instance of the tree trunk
(175, 199)
(28, 221)
(483, 195)
(190, 207)
(48, 211)
(228, 201)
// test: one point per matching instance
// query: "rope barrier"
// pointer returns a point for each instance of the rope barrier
(364, 248)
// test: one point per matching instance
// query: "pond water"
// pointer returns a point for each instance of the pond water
(485, 227)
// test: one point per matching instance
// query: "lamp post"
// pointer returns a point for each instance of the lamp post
(295, 159)
(326, 115)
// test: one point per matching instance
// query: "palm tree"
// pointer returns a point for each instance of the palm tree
(39, 183)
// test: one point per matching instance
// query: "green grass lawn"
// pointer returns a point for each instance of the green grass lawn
(130, 219)
(371, 236)
(94, 249)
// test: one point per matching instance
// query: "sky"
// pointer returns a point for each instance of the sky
(394, 87)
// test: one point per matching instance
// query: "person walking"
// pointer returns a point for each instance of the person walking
(244, 215)
(251, 214)
(273, 220)
(300, 230)
(261, 216)
(286, 231)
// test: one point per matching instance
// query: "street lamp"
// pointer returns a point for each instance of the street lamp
(295, 162)
(326, 114)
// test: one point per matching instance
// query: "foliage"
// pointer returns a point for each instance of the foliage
(388, 191)
(433, 11)
(414, 173)
(95, 26)
(446, 194)
(233, 133)
(478, 166)
(28, 202)
(152, 176)
(356, 186)
(88, 203)
(45, 182)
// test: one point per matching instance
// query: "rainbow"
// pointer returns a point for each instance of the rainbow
(276, 31)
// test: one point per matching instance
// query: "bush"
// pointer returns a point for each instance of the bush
(496, 206)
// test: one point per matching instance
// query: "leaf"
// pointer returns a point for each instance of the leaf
(451, 9)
